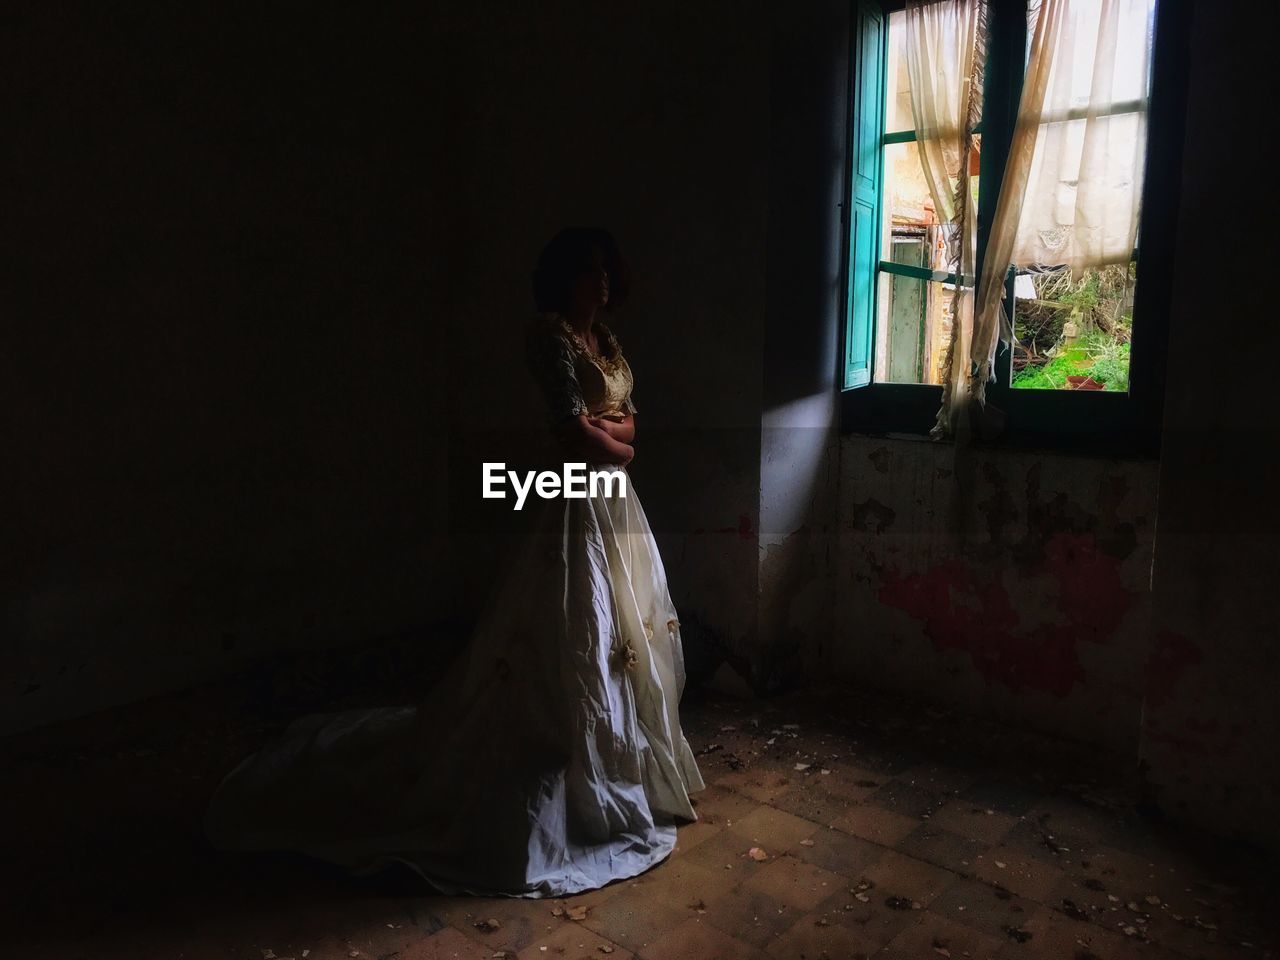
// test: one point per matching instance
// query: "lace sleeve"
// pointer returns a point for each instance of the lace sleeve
(550, 360)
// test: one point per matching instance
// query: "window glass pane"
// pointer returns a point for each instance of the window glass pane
(1130, 27)
(897, 104)
(913, 325)
(914, 315)
(913, 318)
(1081, 211)
(1085, 185)
(906, 195)
(907, 199)
(1073, 334)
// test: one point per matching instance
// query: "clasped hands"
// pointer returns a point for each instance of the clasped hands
(600, 439)
(619, 429)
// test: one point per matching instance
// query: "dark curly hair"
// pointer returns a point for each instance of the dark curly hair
(567, 256)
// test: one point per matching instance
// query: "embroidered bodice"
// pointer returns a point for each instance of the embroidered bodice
(573, 379)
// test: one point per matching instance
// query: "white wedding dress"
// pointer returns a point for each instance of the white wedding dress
(549, 759)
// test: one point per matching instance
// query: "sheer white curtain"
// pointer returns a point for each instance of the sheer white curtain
(1085, 182)
(1073, 181)
(945, 53)
(991, 320)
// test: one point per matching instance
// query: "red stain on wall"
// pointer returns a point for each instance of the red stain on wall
(1090, 591)
(962, 610)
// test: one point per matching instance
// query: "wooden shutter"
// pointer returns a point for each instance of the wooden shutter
(869, 27)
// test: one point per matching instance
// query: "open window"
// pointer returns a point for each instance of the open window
(1085, 363)
(915, 290)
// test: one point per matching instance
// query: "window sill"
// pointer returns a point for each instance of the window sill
(1115, 426)
(1014, 445)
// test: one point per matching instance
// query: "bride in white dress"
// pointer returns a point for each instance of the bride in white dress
(549, 759)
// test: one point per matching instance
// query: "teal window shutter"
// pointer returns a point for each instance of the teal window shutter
(864, 194)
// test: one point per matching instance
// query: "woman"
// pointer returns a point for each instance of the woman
(549, 759)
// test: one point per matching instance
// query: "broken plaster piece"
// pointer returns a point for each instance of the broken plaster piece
(730, 682)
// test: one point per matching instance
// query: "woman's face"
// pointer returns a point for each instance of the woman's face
(591, 289)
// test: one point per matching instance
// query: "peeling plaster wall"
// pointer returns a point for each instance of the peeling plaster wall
(1014, 584)
(1212, 717)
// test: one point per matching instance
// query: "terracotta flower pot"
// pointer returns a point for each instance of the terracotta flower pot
(1084, 383)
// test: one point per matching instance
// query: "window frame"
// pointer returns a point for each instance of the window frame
(1089, 421)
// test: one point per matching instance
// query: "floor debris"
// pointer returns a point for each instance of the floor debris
(1081, 876)
(1016, 934)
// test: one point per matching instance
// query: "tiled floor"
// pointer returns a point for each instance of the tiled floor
(836, 825)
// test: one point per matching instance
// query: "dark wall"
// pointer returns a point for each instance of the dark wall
(1211, 716)
(267, 276)
(224, 271)
(808, 130)
(652, 121)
